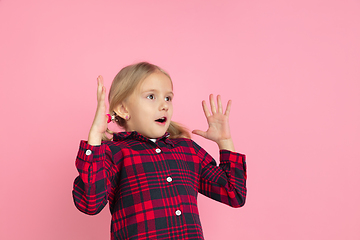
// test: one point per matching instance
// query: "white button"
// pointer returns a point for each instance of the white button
(169, 179)
(178, 212)
(158, 150)
(88, 152)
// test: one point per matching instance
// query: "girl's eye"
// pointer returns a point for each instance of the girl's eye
(150, 96)
(168, 99)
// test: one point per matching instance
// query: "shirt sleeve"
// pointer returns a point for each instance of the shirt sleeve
(225, 183)
(95, 181)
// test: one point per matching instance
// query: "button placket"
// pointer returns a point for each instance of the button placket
(169, 179)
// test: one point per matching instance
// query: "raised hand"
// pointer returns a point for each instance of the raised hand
(99, 124)
(219, 129)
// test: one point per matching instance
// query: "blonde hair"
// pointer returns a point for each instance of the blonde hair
(125, 83)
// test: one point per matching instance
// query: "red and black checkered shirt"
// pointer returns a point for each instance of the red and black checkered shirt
(152, 187)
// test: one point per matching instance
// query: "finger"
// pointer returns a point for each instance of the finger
(206, 110)
(101, 91)
(228, 107)
(100, 80)
(200, 133)
(220, 108)
(99, 87)
(212, 104)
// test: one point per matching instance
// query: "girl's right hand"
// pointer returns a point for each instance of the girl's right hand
(99, 124)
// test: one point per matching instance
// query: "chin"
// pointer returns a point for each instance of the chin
(160, 134)
(154, 135)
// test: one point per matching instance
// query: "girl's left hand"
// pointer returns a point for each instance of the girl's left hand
(219, 129)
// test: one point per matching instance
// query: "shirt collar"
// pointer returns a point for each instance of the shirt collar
(135, 135)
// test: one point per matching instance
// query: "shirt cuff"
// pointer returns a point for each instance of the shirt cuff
(90, 153)
(232, 156)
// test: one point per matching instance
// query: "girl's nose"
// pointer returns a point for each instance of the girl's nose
(164, 105)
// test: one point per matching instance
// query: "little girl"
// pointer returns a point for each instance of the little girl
(151, 173)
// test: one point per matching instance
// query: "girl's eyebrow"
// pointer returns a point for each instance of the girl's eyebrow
(154, 90)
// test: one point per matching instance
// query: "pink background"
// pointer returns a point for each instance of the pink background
(290, 67)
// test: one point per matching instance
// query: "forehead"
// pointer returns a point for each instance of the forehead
(156, 80)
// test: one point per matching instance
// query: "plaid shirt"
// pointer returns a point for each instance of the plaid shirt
(152, 186)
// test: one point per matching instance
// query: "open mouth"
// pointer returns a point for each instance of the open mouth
(161, 120)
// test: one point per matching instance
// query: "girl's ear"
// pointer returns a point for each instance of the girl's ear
(121, 110)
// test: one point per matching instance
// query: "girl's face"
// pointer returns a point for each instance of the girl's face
(150, 106)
